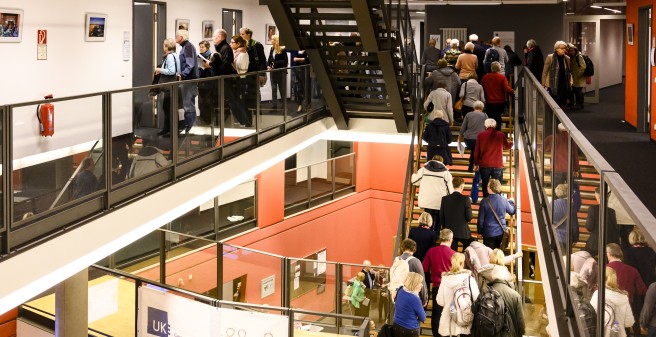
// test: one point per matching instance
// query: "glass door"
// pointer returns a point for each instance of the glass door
(583, 32)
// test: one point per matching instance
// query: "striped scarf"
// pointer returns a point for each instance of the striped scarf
(554, 74)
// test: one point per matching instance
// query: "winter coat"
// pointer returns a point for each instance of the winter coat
(442, 100)
(456, 213)
(585, 266)
(438, 132)
(358, 294)
(647, 315)
(491, 272)
(241, 60)
(474, 92)
(535, 62)
(513, 303)
(619, 301)
(443, 75)
(149, 159)
(450, 282)
(577, 67)
(477, 255)
(434, 181)
(466, 64)
(488, 225)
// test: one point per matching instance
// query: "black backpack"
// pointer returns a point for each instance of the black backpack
(589, 66)
(588, 317)
(491, 317)
(491, 55)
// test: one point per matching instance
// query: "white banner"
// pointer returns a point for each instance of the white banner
(163, 314)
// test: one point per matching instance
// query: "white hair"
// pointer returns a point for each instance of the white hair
(560, 43)
(183, 33)
(478, 105)
(438, 114)
(561, 127)
(473, 37)
(455, 43)
(490, 123)
(367, 263)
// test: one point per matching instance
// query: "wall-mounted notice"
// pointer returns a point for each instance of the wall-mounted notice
(507, 38)
(321, 267)
(268, 286)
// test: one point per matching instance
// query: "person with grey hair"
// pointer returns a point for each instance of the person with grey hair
(451, 55)
(169, 71)
(503, 56)
(556, 74)
(560, 219)
(188, 71)
(442, 100)
(472, 125)
(472, 92)
(488, 153)
(430, 56)
(534, 59)
(497, 90)
(438, 136)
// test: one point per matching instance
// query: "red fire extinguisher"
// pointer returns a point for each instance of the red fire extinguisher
(45, 113)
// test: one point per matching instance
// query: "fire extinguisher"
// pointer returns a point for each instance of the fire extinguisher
(45, 113)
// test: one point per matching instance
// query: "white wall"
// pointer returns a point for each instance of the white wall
(77, 67)
(611, 60)
(315, 153)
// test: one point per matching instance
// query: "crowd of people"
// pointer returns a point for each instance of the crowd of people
(232, 55)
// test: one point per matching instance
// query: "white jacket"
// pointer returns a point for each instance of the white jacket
(620, 304)
(450, 282)
(434, 181)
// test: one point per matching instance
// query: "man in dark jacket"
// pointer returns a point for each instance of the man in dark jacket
(222, 65)
(430, 56)
(455, 214)
(257, 62)
(479, 51)
(534, 59)
(189, 71)
(592, 225)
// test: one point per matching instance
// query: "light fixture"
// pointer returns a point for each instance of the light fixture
(610, 4)
(595, 6)
(474, 3)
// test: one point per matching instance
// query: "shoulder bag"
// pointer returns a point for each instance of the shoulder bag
(506, 233)
(461, 102)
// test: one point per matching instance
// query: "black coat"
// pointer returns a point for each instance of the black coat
(437, 132)
(425, 238)
(255, 55)
(592, 225)
(222, 64)
(535, 62)
(455, 214)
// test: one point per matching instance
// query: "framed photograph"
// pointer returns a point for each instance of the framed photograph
(271, 30)
(629, 34)
(94, 27)
(208, 29)
(11, 25)
(181, 24)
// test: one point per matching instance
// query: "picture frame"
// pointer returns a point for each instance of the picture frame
(95, 27)
(629, 34)
(268, 286)
(208, 29)
(11, 25)
(270, 30)
(181, 24)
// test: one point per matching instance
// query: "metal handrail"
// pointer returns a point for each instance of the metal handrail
(70, 180)
(321, 162)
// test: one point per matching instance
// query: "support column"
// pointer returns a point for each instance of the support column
(72, 306)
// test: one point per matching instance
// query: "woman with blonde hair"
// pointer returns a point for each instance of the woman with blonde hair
(617, 307)
(357, 297)
(408, 310)
(496, 269)
(452, 294)
(277, 60)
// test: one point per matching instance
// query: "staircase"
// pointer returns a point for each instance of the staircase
(357, 52)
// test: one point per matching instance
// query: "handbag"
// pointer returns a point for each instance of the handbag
(365, 302)
(461, 102)
(506, 233)
(159, 78)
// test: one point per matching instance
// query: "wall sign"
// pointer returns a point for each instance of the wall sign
(42, 44)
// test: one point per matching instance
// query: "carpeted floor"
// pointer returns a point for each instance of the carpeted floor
(630, 153)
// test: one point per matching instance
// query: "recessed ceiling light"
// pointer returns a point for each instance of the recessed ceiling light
(595, 6)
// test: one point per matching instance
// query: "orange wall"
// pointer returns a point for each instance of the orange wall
(271, 186)
(8, 323)
(631, 93)
(528, 235)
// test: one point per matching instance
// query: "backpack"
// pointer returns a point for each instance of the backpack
(461, 306)
(399, 270)
(490, 313)
(588, 318)
(491, 55)
(589, 66)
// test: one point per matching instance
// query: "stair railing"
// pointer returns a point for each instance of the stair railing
(70, 180)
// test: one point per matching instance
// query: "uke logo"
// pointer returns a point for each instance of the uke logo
(158, 322)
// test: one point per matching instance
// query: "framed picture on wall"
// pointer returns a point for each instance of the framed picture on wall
(270, 30)
(182, 24)
(629, 34)
(11, 25)
(208, 29)
(95, 27)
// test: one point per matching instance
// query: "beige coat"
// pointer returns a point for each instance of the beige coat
(466, 64)
(546, 70)
(577, 71)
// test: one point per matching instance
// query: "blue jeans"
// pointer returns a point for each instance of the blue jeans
(189, 93)
(487, 173)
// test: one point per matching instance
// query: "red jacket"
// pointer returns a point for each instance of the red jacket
(489, 148)
(560, 163)
(438, 261)
(628, 279)
(496, 88)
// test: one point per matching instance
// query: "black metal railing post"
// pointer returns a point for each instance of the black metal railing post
(7, 179)
(107, 147)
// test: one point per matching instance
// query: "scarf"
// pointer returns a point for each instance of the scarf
(554, 74)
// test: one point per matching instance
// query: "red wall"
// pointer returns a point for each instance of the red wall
(8, 323)
(631, 93)
(358, 227)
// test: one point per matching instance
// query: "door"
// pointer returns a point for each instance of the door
(583, 32)
(644, 43)
(231, 21)
(148, 33)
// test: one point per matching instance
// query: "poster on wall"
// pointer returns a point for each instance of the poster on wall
(163, 314)
(507, 38)
(240, 323)
(95, 27)
(437, 38)
(268, 286)
(11, 25)
(321, 267)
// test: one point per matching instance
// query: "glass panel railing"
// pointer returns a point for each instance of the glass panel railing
(191, 263)
(45, 177)
(344, 172)
(204, 133)
(312, 285)
(252, 276)
(238, 205)
(535, 308)
(141, 258)
(378, 309)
